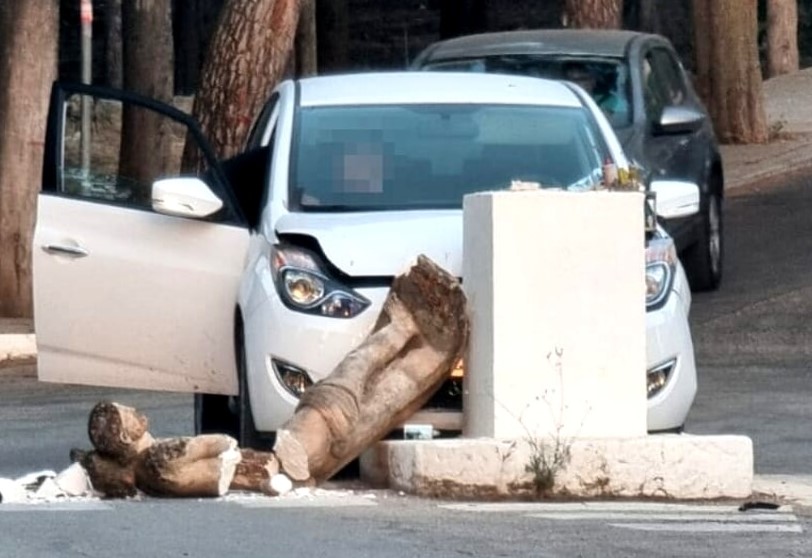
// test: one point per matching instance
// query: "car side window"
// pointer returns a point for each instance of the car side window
(662, 82)
(248, 173)
(670, 76)
(113, 151)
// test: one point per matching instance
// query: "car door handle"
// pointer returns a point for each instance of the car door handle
(61, 249)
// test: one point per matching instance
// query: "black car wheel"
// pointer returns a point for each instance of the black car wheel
(703, 261)
(222, 414)
(248, 436)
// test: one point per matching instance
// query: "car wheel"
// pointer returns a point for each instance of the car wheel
(676, 430)
(247, 435)
(703, 261)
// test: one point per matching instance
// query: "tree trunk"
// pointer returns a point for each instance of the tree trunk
(663, 17)
(247, 57)
(114, 56)
(333, 30)
(420, 334)
(728, 68)
(306, 46)
(702, 49)
(148, 69)
(647, 15)
(782, 37)
(194, 23)
(28, 57)
(463, 17)
(593, 14)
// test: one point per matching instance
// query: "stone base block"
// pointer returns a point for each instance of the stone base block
(660, 466)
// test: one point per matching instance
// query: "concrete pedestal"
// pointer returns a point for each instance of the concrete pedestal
(663, 466)
(557, 360)
(556, 291)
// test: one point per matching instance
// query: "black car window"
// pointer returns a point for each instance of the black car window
(606, 79)
(662, 82)
(670, 76)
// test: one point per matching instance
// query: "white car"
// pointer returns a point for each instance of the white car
(248, 282)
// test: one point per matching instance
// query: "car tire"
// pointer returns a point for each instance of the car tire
(247, 434)
(703, 260)
(676, 430)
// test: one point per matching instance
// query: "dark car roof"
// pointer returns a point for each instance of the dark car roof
(539, 41)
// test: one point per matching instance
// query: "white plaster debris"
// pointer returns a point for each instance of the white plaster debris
(44, 487)
(74, 481)
(73, 485)
(281, 484)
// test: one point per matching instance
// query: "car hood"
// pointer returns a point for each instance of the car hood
(381, 244)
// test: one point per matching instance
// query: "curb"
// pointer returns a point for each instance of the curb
(17, 348)
(659, 466)
(793, 159)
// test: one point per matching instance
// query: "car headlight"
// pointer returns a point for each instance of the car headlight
(304, 285)
(661, 261)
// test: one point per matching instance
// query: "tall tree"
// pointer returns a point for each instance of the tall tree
(194, 23)
(306, 43)
(333, 29)
(248, 55)
(728, 68)
(782, 37)
(28, 54)
(148, 69)
(593, 14)
(114, 57)
(663, 17)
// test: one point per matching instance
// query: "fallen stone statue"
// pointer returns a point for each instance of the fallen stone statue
(419, 336)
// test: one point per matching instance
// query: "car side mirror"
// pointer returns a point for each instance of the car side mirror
(184, 197)
(678, 120)
(675, 198)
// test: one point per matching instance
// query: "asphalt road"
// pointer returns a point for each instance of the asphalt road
(753, 338)
(753, 348)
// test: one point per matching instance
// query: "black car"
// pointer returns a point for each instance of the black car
(639, 82)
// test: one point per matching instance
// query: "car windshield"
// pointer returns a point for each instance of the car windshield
(606, 79)
(357, 158)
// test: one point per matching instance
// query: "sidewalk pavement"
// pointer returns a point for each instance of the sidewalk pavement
(17, 342)
(789, 115)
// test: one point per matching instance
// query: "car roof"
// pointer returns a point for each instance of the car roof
(433, 88)
(538, 41)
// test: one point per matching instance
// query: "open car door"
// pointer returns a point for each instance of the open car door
(137, 258)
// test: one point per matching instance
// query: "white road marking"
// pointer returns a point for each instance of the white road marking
(56, 506)
(706, 517)
(642, 507)
(711, 527)
(321, 502)
(652, 516)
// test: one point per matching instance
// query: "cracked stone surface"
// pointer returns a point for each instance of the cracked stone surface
(664, 466)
